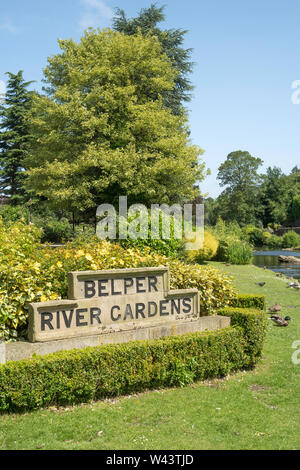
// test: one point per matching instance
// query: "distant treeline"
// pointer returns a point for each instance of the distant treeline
(263, 200)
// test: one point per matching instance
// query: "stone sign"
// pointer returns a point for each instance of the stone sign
(101, 302)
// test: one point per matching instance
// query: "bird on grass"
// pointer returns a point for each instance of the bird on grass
(261, 284)
(295, 285)
(280, 321)
(275, 308)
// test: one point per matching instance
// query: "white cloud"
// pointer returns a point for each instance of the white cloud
(96, 12)
(7, 25)
(2, 91)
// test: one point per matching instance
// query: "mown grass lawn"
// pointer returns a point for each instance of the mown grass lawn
(249, 410)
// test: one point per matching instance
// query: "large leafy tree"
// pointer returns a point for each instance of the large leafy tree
(274, 196)
(239, 174)
(172, 43)
(102, 130)
(293, 197)
(280, 196)
(14, 136)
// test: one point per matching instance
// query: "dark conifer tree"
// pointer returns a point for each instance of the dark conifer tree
(14, 136)
(172, 41)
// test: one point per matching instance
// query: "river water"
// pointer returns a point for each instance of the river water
(269, 258)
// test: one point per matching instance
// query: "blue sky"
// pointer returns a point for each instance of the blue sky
(246, 54)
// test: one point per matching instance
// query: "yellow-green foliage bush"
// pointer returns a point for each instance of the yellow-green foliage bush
(266, 237)
(21, 277)
(206, 250)
(30, 273)
(215, 288)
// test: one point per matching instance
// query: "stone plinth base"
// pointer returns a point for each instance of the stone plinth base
(23, 349)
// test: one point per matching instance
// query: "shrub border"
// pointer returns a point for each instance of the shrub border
(249, 301)
(78, 376)
(253, 323)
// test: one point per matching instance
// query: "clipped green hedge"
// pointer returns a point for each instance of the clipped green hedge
(249, 301)
(253, 323)
(79, 376)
